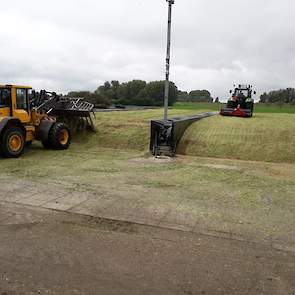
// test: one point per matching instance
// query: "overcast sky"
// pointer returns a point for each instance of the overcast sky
(67, 45)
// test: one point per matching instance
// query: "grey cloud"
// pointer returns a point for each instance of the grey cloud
(67, 45)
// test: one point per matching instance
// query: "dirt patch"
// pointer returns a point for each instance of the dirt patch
(225, 167)
(153, 160)
(100, 223)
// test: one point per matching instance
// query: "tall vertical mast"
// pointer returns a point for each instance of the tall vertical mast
(166, 96)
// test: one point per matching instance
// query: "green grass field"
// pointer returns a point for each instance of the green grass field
(259, 108)
(265, 137)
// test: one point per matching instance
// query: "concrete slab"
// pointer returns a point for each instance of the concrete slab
(67, 202)
(7, 186)
(94, 206)
(5, 215)
(9, 197)
(122, 207)
(151, 208)
(34, 195)
(38, 199)
(11, 192)
(180, 218)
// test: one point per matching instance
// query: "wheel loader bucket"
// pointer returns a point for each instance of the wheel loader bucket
(75, 112)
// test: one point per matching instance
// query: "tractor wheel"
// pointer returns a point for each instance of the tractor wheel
(13, 142)
(59, 137)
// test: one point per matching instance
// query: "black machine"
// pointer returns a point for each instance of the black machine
(166, 134)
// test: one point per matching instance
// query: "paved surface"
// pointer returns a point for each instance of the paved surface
(145, 211)
(43, 251)
(130, 208)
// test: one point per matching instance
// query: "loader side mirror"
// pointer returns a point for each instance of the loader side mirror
(254, 92)
(230, 91)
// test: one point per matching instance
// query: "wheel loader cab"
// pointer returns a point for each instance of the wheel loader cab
(15, 102)
(5, 102)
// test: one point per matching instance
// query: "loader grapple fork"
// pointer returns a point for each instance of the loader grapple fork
(75, 112)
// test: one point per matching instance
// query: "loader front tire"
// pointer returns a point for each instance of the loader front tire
(12, 143)
(59, 137)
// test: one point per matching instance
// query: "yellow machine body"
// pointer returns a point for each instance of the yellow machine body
(19, 108)
(19, 124)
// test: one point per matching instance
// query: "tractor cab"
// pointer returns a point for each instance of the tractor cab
(242, 93)
(241, 103)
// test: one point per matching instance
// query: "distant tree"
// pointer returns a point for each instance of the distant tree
(122, 91)
(263, 98)
(106, 91)
(113, 91)
(135, 87)
(115, 84)
(200, 96)
(128, 92)
(182, 96)
(153, 94)
(216, 100)
(279, 96)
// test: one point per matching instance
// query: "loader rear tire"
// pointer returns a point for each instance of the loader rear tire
(59, 137)
(12, 143)
(46, 145)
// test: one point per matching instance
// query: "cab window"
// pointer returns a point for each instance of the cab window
(4, 98)
(22, 99)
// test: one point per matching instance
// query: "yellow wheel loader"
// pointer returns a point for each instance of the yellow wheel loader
(20, 123)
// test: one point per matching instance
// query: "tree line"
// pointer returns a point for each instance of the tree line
(140, 93)
(195, 96)
(135, 92)
(279, 96)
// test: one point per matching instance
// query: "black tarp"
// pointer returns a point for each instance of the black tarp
(166, 135)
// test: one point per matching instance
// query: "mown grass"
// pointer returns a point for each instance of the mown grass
(259, 108)
(265, 137)
(125, 130)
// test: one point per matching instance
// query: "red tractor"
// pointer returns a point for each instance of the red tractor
(241, 104)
